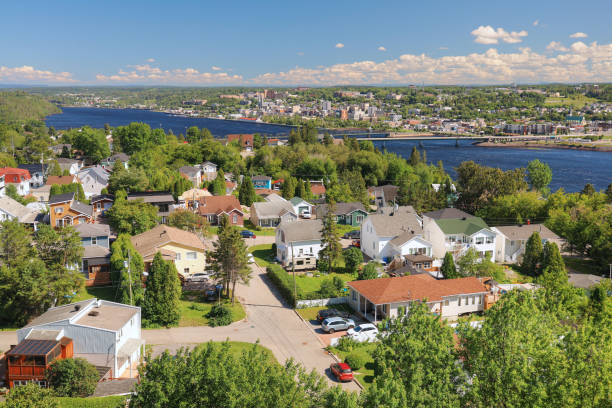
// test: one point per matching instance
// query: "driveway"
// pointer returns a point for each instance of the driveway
(276, 326)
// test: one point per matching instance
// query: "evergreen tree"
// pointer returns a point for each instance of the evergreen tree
(308, 196)
(161, 300)
(609, 193)
(551, 257)
(229, 258)
(128, 281)
(328, 139)
(300, 191)
(180, 185)
(588, 189)
(218, 186)
(331, 249)
(415, 157)
(246, 193)
(448, 269)
(289, 187)
(533, 254)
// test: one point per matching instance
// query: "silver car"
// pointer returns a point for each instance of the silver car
(333, 324)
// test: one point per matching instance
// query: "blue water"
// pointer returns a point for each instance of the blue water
(572, 169)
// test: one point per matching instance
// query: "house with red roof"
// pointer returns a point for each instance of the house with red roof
(214, 207)
(245, 141)
(20, 178)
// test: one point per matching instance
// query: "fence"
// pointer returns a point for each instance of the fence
(301, 304)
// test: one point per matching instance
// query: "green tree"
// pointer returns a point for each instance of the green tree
(539, 175)
(418, 356)
(60, 247)
(31, 396)
(331, 249)
(72, 377)
(92, 142)
(448, 269)
(468, 263)
(588, 189)
(161, 301)
(133, 179)
(533, 255)
(353, 257)
(415, 157)
(127, 270)
(609, 193)
(186, 220)
(246, 193)
(218, 186)
(131, 217)
(289, 187)
(15, 243)
(369, 271)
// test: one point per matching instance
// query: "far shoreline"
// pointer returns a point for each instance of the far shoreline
(528, 145)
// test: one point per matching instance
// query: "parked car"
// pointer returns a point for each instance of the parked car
(325, 313)
(247, 234)
(354, 234)
(341, 371)
(366, 332)
(197, 277)
(357, 243)
(333, 324)
(306, 214)
(250, 258)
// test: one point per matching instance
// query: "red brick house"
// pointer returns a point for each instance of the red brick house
(245, 140)
(214, 207)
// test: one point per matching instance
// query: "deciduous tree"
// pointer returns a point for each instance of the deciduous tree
(72, 377)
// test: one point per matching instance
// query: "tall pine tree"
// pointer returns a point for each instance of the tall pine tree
(533, 255)
(330, 241)
(161, 301)
(246, 192)
(448, 269)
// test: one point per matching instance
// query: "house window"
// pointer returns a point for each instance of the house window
(234, 219)
(478, 300)
(479, 240)
(490, 240)
(445, 302)
(186, 271)
(459, 301)
(59, 210)
(94, 240)
(192, 255)
(178, 257)
(354, 295)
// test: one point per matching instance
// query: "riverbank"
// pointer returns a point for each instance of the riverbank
(594, 147)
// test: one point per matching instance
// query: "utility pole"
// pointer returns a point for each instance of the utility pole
(129, 261)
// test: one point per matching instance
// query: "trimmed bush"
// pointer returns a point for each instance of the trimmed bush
(347, 344)
(283, 282)
(72, 377)
(356, 360)
(219, 315)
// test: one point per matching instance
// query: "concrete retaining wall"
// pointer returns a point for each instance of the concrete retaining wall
(302, 304)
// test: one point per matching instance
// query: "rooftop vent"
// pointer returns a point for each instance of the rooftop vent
(77, 308)
(93, 313)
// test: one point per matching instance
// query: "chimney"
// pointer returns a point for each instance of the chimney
(528, 221)
(77, 308)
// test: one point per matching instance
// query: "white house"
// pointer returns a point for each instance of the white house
(38, 172)
(454, 231)
(377, 299)
(73, 166)
(300, 206)
(393, 231)
(209, 170)
(272, 212)
(109, 162)
(2, 186)
(107, 334)
(93, 179)
(12, 210)
(298, 239)
(510, 241)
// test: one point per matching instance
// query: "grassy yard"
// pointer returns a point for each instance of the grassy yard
(311, 284)
(576, 101)
(100, 292)
(578, 265)
(261, 231)
(114, 401)
(310, 313)
(194, 311)
(516, 276)
(263, 254)
(343, 229)
(364, 375)
(237, 347)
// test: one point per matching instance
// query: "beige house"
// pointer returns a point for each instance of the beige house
(184, 248)
(511, 240)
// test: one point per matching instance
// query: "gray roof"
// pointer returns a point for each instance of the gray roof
(101, 197)
(393, 225)
(34, 168)
(92, 230)
(56, 314)
(152, 197)
(447, 213)
(95, 251)
(82, 208)
(122, 157)
(261, 178)
(388, 192)
(523, 232)
(390, 209)
(273, 208)
(61, 198)
(305, 230)
(21, 212)
(404, 237)
(341, 208)
(189, 170)
(96, 170)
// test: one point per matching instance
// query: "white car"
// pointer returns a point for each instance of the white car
(251, 258)
(197, 277)
(366, 332)
(306, 215)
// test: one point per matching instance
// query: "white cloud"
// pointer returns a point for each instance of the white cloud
(29, 74)
(339, 45)
(443, 48)
(489, 35)
(578, 35)
(215, 68)
(582, 63)
(151, 60)
(556, 46)
(300, 53)
(536, 23)
(149, 74)
(381, 48)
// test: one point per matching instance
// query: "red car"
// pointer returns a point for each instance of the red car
(341, 371)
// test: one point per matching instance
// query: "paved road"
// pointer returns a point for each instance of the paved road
(276, 326)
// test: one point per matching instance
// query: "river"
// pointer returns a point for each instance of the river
(572, 169)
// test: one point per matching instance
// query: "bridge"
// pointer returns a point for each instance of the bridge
(461, 137)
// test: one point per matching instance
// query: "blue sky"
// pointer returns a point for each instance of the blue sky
(312, 43)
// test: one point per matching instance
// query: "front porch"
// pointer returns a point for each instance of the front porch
(372, 312)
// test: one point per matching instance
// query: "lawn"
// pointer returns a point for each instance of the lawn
(237, 347)
(310, 313)
(364, 375)
(516, 276)
(114, 401)
(263, 254)
(311, 284)
(576, 101)
(343, 229)
(100, 292)
(579, 265)
(261, 231)
(193, 310)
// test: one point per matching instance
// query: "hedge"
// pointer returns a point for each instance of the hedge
(283, 282)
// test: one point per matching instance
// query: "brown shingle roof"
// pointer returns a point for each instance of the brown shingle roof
(148, 242)
(415, 287)
(61, 180)
(219, 204)
(523, 232)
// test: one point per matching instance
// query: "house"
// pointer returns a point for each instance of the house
(214, 207)
(2, 186)
(393, 231)
(209, 171)
(230, 186)
(575, 120)
(346, 213)
(244, 140)
(298, 240)
(452, 230)
(93, 179)
(38, 173)
(317, 188)
(71, 165)
(109, 162)
(510, 241)
(59, 148)
(20, 178)
(65, 210)
(95, 264)
(190, 197)
(412, 265)
(101, 203)
(383, 195)
(183, 248)
(377, 299)
(272, 211)
(262, 182)
(62, 180)
(300, 206)
(192, 173)
(161, 199)
(41, 194)
(28, 361)
(13, 210)
(107, 334)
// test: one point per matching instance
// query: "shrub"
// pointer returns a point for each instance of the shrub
(338, 283)
(369, 271)
(283, 282)
(347, 344)
(219, 315)
(356, 359)
(274, 249)
(328, 289)
(72, 377)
